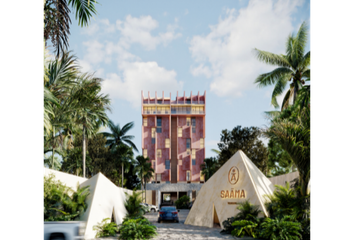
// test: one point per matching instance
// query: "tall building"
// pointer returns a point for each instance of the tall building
(173, 137)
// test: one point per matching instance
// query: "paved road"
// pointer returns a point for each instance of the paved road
(169, 230)
(172, 231)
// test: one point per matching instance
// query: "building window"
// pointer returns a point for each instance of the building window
(193, 162)
(201, 143)
(159, 125)
(188, 143)
(193, 153)
(167, 164)
(158, 153)
(158, 177)
(193, 125)
(153, 164)
(188, 121)
(167, 143)
(145, 152)
(152, 140)
(188, 151)
(179, 132)
(188, 176)
(145, 122)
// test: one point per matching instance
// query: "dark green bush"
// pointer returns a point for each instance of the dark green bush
(183, 202)
(61, 203)
(248, 212)
(244, 228)
(132, 205)
(280, 229)
(105, 228)
(141, 228)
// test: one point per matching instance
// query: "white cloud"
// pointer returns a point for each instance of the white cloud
(94, 52)
(186, 12)
(201, 70)
(137, 76)
(138, 30)
(92, 29)
(226, 52)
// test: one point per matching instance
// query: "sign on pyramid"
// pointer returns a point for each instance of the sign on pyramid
(236, 181)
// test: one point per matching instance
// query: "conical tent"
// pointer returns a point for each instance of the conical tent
(105, 199)
(236, 181)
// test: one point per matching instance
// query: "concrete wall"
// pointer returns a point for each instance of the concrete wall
(282, 179)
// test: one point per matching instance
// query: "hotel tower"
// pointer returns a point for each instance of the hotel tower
(173, 138)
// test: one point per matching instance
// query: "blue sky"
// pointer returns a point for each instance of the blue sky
(187, 46)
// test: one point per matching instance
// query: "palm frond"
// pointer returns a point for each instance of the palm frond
(272, 77)
(278, 89)
(271, 58)
(299, 44)
(84, 9)
(286, 100)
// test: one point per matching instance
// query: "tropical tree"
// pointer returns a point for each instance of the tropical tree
(57, 20)
(293, 66)
(144, 169)
(209, 167)
(119, 136)
(90, 107)
(293, 134)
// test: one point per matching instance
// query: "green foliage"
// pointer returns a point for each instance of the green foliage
(281, 202)
(209, 167)
(182, 202)
(280, 229)
(246, 139)
(132, 205)
(61, 203)
(244, 227)
(140, 228)
(248, 211)
(279, 161)
(105, 228)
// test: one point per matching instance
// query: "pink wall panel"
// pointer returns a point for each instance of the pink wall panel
(151, 121)
(165, 176)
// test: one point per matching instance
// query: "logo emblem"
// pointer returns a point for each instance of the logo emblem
(233, 175)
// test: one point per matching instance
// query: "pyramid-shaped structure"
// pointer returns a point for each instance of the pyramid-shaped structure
(105, 199)
(236, 181)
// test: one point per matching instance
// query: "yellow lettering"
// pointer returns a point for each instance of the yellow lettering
(232, 193)
(242, 194)
(227, 194)
(237, 193)
(222, 193)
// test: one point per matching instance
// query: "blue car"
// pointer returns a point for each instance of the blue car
(168, 213)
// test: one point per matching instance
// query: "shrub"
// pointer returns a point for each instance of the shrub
(227, 224)
(248, 212)
(105, 228)
(285, 228)
(244, 227)
(183, 202)
(132, 205)
(61, 203)
(140, 228)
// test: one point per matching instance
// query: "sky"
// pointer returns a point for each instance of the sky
(187, 46)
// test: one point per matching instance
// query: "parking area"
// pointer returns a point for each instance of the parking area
(170, 230)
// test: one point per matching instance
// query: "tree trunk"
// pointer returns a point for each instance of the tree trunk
(122, 174)
(142, 191)
(83, 152)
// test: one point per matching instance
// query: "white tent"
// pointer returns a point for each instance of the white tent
(236, 181)
(105, 199)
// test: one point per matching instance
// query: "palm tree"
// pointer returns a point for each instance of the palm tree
(90, 108)
(118, 137)
(143, 167)
(125, 156)
(294, 137)
(291, 67)
(57, 20)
